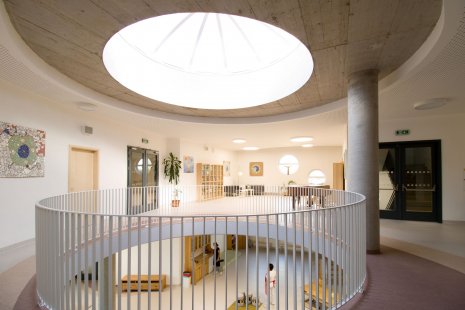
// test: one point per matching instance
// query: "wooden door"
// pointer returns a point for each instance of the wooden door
(338, 176)
(82, 169)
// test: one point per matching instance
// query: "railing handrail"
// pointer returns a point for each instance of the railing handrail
(76, 230)
(42, 204)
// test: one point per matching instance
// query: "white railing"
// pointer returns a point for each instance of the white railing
(314, 237)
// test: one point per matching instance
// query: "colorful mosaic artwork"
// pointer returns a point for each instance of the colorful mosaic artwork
(22, 151)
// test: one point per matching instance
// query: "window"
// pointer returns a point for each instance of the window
(140, 166)
(288, 164)
(316, 177)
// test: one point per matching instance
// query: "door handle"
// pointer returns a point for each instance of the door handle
(433, 189)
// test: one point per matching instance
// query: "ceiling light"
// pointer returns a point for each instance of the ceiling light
(301, 139)
(86, 106)
(208, 60)
(239, 141)
(250, 148)
(431, 104)
(307, 145)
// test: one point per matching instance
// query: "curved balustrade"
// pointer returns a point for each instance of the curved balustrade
(89, 242)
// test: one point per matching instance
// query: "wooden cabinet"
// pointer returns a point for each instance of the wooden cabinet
(210, 181)
(240, 243)
(201, 252)
(338, 176)
(131, 283)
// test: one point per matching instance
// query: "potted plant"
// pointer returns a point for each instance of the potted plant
(172, 166)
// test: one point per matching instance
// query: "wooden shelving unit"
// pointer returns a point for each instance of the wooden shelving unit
(202, 252)
(210, 181)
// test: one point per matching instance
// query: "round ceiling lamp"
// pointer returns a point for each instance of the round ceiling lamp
(301, 139)
(86, 106)
(208, 60)
(250, 148)
(430, 104)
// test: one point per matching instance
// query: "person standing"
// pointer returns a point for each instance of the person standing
(217, 258)
(270, 286)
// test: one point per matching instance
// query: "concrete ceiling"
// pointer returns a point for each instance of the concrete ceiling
(344, 36)
(436, 69)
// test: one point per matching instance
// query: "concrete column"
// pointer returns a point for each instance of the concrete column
(362, 148)
(106, 294)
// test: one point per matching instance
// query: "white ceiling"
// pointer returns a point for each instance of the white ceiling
(437, 69)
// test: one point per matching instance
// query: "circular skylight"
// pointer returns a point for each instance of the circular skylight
(208, 60)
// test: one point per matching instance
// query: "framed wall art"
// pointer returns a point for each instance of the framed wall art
(22, 151)
(188, 164)
(256, 169)
(226, 168)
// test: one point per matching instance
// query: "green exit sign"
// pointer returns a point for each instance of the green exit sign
(402, 132)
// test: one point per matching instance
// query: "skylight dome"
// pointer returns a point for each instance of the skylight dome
(208, 60)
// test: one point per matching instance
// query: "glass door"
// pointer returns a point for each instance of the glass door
(142, 177)
(410, 180)
(388, 182)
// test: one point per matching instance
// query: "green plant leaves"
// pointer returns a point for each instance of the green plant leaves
(172, 166)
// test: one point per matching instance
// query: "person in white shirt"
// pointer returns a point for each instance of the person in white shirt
(270, 286)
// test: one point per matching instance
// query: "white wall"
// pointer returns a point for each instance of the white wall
(206, 155)
(309, 158)
(175, 264)
(63, 128)
(450, 130)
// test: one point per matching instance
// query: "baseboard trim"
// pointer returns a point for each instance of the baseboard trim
(15, 253)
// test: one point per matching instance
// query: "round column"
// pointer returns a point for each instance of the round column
(362, 148)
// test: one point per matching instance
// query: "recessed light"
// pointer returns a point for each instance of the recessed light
(431, 104)
(307, 145)
(239, 141)
(208, 60)
(301, 139)
(250, 148)
(86, 106)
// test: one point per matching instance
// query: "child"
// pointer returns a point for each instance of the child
(272, 283)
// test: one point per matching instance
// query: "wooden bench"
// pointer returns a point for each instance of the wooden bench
(155, 283)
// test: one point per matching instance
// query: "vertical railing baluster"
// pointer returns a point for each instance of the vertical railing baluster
(128, 273)
(120, 259)
(160, 259)
(139, 263)
(72, 234)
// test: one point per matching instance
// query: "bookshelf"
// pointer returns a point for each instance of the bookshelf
(210, 181)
